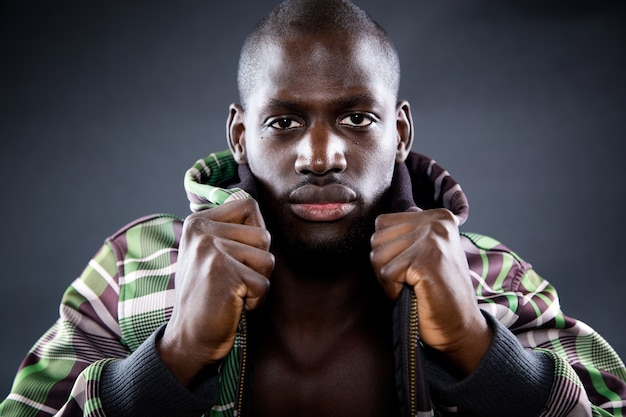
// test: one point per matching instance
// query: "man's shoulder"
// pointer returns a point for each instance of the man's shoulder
(149, 233)
(149, 220)
(146, 252)
(487, 243)
(492, 263)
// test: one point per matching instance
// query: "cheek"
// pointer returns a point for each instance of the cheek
(377, 171)
(269, 164)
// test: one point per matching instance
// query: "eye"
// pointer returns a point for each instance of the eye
(357, 120)
(284, 123)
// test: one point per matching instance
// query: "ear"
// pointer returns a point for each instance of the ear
(236, 132)
(404, 126)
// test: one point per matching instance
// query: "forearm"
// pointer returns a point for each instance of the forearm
(143, 385)
(589, 377)
(510, 380)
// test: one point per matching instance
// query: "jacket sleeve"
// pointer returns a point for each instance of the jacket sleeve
(59, 376)
(589, 376)
(100, 355)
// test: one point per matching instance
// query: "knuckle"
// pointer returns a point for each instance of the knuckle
(239, 290)
(443, 224)
(440, 229)
(377, 239)
(380, 219)
(266, 238)
(375, 259)
(267, 268)
(384, 272)
(441, 213)
(265, 284)
(195, 221)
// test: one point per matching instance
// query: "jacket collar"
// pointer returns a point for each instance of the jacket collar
(418, 184)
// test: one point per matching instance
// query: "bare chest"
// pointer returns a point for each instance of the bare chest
(350, 374)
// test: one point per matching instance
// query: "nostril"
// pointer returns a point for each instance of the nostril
(320, 152)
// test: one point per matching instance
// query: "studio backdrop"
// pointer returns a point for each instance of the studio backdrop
(105, 104)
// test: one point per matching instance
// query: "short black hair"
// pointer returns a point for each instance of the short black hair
(296, 17)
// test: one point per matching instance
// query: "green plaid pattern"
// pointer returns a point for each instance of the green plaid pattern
(126, 292)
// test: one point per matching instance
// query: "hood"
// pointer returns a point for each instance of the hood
(418, 184)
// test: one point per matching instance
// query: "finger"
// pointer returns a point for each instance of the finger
(415, 217)
(197, 226)
(252, 236)
(253, 267)
(259, 260)
(244, 211)
(390, 266)
(252, 213)
(256, 287)
(395, 248)
(387, 220)
(391, 232)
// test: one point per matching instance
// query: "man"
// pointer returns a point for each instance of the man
(318, 247)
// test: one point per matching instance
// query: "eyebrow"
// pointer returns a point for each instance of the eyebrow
(342, 102)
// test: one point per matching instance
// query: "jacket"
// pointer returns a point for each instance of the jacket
(101, 349)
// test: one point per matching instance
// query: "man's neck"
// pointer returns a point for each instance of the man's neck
(321, 294)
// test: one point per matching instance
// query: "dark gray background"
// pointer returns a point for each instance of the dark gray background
(106, 104)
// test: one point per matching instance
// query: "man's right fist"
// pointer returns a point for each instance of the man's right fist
(223, 267)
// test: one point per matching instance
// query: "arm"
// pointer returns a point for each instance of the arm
(485, 372)
(110, 349)
(103, 318)
(69, 357)
(588, 372)
(222, 269)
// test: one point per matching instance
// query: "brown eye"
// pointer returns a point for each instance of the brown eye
(356, 120)
(284, 123)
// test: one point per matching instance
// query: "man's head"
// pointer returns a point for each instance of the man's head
(293, 18)
(320, 126)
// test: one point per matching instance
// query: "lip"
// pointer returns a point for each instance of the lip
(322, 203)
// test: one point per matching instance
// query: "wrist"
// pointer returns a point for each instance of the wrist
(181, 364)
(471, 347)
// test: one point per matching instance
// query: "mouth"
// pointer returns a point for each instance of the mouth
(322, 203)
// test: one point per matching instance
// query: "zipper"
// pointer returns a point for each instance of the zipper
(419, 396)
(243, 325)
(419, 404)
(412, 341)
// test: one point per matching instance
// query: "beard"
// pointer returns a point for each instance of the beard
(309, 247)
(313, 247)
(317, 249)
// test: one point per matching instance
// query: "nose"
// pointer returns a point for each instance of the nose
(320, 151)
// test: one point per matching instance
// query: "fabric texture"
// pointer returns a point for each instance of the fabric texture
(111, 314)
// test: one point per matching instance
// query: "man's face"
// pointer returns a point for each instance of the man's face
(320, 136)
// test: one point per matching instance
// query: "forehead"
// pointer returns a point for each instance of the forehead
(320, 65)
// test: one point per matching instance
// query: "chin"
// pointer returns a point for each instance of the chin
(325, 243)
